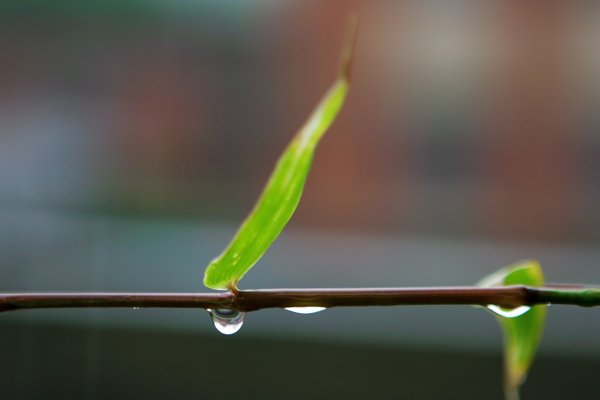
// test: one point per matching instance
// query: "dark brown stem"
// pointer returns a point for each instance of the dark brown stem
(252, 300)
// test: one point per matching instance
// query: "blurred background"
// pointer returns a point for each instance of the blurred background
(135, 136)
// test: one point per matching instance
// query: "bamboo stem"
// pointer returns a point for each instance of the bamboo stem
(252, 300)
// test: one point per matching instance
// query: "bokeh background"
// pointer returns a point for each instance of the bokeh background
(135, 135)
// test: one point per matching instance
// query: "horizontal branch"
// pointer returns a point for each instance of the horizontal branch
(252, 300)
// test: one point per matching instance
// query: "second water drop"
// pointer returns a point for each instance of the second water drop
(515, 312)
(227, 321)
(305, 310)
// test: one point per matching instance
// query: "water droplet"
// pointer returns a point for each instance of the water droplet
(515, 312)
(305, 310)
(227, 321)
(136, 308)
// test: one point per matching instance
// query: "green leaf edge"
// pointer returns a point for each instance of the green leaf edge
(282, 193)
(522, 334)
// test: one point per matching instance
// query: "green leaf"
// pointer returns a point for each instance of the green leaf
(284, 188)
(522, 334)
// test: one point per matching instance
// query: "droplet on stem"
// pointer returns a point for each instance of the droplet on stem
(515, 312)
(227, 321)
(305, 310)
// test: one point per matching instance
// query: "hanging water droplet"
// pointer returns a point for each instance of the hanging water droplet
(227, 321)
(515, 312)
(136, 308)
(305, 310)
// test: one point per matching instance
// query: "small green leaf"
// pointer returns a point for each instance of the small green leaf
(522, 334)
(284, 188)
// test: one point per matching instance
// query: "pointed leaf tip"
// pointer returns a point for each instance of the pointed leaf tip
(522, 334)
(282, 193)
(347, 57)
